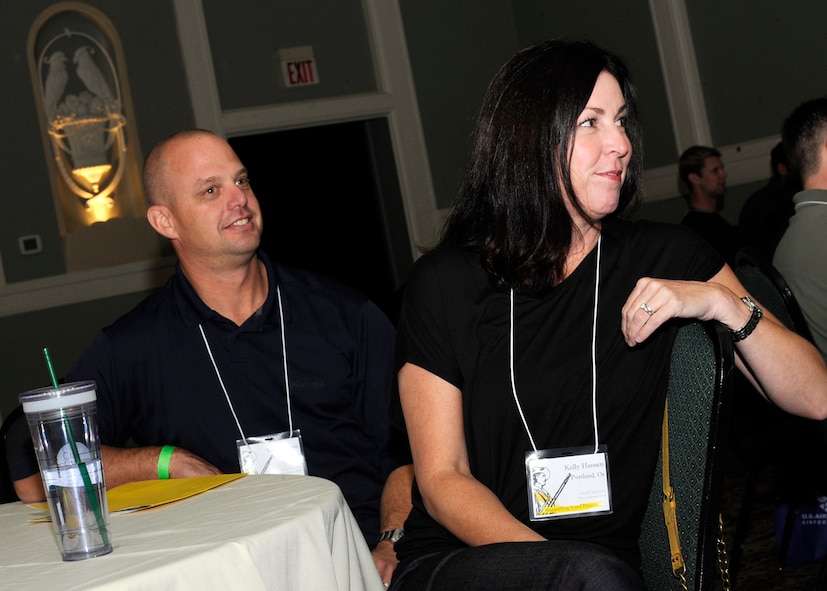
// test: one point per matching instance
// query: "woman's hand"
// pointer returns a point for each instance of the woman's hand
(654, 301)
(784, 367)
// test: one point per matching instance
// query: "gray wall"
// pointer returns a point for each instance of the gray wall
(64, 330)
(244, 39)
(453, 57)
(757, 59)
(161, 106)
(160, 102)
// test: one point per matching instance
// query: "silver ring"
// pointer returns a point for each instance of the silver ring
(386, 584)
(645, 307)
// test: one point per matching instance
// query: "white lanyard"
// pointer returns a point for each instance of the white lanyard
(284, 356)
(594, 358)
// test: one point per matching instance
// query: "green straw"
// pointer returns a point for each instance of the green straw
(87, 482)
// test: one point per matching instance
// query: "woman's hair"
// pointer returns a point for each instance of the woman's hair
(512, 206)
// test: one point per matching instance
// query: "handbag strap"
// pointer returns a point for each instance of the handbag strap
(669, 512)
(671, 517)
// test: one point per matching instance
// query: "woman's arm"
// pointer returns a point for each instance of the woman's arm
(786, 368)
(433, 415)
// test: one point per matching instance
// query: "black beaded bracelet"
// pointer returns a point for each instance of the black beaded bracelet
(755, 315)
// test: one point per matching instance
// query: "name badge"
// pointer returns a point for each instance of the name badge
(280, 453)
(568, 482)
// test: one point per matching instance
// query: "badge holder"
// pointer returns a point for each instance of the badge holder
(568, 482)
(280, 453)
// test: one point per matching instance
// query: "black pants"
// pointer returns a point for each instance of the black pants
(554, 565)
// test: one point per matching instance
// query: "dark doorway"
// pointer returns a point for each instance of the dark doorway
(331, 204)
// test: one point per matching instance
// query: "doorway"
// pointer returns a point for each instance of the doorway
(331, 203)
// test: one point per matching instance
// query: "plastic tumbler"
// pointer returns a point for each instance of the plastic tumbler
(64, 429)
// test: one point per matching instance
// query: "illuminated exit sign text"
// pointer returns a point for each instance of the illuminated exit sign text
(298, 67)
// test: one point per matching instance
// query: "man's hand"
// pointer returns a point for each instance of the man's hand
(395, 506)
(122, 465)
(185, 464)
(384, 557)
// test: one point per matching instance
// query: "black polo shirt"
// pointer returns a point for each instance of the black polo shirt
(157, 385)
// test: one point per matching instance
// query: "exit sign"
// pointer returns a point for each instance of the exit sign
(298, 66)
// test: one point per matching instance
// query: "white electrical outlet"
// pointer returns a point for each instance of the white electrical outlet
(30, 244)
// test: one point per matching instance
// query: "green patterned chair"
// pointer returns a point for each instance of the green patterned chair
(700, 401)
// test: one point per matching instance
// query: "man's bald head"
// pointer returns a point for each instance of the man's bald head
(157, 190)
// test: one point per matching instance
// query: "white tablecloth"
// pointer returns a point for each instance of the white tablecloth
(255, 533)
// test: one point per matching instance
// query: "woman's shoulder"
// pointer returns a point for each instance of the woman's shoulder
(449, 260)
(653, 234)
(449, 269)
(667, 248)
(647, 225)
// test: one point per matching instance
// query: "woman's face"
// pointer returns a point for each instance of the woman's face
(601, 150)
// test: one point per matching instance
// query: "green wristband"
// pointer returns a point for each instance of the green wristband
(163, 461)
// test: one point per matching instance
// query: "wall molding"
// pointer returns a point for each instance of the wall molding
(395, 100)
(84, 286)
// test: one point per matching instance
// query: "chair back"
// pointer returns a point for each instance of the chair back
(765, 282)
(700, 401)
(13, 432)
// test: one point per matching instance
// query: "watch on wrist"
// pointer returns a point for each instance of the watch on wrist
(755, 315)
(392, 535)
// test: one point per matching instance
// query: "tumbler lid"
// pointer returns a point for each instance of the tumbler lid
(64, 396)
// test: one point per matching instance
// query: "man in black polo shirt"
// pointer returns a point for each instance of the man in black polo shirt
(238, 361)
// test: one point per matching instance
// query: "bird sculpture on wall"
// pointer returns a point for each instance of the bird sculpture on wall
(91, 75)
(55, 84)
(74, 65)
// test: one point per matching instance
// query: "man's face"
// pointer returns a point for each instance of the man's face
(213, 211)
(712, 179)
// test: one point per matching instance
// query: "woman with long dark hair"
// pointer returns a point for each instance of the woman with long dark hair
(538, 333)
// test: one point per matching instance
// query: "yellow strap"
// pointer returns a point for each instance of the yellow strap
(669, 514)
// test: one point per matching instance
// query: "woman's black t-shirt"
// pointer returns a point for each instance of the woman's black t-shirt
(455, 324)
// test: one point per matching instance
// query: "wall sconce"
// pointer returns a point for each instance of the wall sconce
(88, 130)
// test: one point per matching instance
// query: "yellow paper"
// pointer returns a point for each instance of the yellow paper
(144, 494)
(134, 496)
